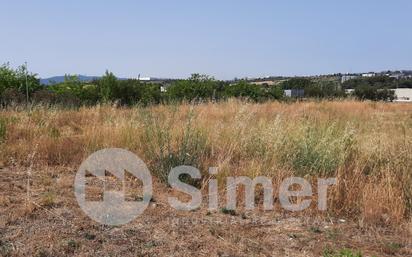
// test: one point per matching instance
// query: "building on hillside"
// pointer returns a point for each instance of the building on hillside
(397, 76)
(369, 75)
(298, 93)
(348, 77)
(264, 83)
(144, 78)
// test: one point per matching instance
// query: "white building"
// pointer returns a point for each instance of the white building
(403, 95)
(144, 78)
(348, 77)
(368, 75)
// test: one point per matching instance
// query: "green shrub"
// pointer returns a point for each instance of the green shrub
(167, 147)
(196, 88)
(245, 90)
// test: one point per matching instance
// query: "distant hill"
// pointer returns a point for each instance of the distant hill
(59, 79)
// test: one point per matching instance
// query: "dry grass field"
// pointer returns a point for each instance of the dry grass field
(366, 146)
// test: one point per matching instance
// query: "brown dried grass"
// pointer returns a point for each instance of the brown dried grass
(367, 146)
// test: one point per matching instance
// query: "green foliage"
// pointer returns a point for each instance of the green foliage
(14, 80)
(404, 83)
(375, 88)
(378, 82)
(130, 92)
(320, 151)
(367, 92)
(73, 92)
(45, 97)
(275, 92)
(12, 96)
(297, 83)
(392, 247)
(151, 94)
(324, 89)
(341, 253)
(107, 87)
(315, 89)
(197, 87)
(245, 90)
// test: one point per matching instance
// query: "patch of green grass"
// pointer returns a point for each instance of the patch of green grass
(48, 199)
(341, 253)
(320, 150)
(392, 247)
(54, 133)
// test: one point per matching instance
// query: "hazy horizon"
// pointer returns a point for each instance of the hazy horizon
(224, 40)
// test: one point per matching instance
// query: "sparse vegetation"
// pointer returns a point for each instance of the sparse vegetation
(3, 130)
(341, 253)
(48, 199)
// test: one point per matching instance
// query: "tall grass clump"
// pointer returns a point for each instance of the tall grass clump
(3, 130)
(320, 150)
(172, 140)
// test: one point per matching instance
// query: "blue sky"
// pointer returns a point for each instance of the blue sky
(225, 38)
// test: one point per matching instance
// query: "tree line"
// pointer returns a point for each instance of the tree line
(18, 86)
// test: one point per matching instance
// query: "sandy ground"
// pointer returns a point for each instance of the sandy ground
(52, 224)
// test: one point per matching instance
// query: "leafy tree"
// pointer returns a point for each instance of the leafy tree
(197, 87)
(151, 94)
(243, 89)
(324, 89)
(74, 91)
(16, 79)
(12, 96)
(379, 82)
(127, 92)
(275, 92)
(107, 86)
(368, 92)
(297, 83)
(405, 83)
(45, 96)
